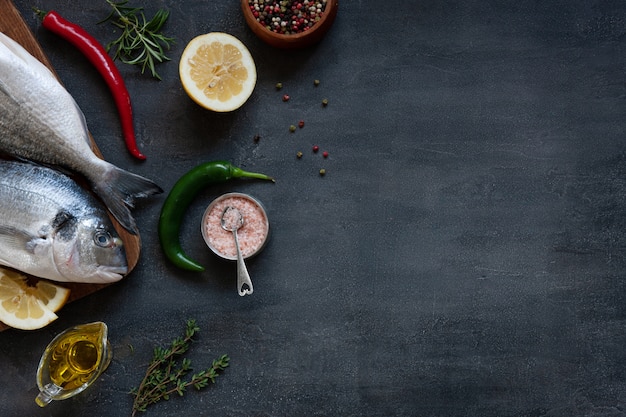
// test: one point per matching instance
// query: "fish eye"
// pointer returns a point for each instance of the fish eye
(102, 238)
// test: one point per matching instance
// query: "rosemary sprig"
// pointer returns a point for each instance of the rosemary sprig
(165, 376)
(141, 42)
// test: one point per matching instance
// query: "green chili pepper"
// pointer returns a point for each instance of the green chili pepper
(181, 196)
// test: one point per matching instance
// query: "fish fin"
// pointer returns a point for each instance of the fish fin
(13, 238)
(16, 238)
(22, 239)
(119, 191)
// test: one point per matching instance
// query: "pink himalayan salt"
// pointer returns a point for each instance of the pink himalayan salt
(251, 235)
(231, 218)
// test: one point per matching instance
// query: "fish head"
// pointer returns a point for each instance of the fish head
(89, 250)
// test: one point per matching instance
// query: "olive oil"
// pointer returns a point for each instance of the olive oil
(72, 361)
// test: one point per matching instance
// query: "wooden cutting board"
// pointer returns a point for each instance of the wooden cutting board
(13, 25)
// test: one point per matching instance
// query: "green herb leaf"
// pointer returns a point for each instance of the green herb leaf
(165, 377)
(141, 42)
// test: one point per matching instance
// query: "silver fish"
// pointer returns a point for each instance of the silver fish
(40, 121)
(52, 228)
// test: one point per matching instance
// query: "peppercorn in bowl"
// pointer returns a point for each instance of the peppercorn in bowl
(290, 24)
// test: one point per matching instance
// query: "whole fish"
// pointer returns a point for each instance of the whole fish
(52, 228)
(40, 121)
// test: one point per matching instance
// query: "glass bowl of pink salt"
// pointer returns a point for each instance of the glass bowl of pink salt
(252, 235)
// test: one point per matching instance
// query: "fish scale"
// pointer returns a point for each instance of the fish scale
(41, 122)
(52, 228)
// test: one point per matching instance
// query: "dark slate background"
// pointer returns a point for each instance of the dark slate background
(463, 255)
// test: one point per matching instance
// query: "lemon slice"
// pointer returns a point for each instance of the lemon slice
(217, 71)
(53, 296)
(25, 307)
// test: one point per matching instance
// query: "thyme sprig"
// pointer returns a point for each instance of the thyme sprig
(165, 377)
(141, 42)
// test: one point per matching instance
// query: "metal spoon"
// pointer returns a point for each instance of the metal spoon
(231, 223)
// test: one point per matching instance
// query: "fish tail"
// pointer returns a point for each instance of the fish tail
(119, 190)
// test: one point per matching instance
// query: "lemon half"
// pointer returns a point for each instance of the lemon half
(26, 307)
(217, 71)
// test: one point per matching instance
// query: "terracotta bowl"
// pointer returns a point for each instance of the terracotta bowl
(298, 40)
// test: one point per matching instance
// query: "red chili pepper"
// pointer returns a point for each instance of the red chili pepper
(100, 59)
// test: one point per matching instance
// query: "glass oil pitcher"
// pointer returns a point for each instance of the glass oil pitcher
(72, 362)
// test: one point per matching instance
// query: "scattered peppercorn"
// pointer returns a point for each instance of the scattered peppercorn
(286, 97)
(325, 154)
(316, 82)
(301, 124)
(316, 148)
(325, 102)
(279, 86)
(322, 172)
(299, 154)
(292, 128)
(257, 138)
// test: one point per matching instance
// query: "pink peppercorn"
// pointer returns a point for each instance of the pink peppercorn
(301, 124)
(325, 154)
(316, 148)
(286, 97)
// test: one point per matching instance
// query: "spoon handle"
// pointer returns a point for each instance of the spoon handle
(243, 278)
